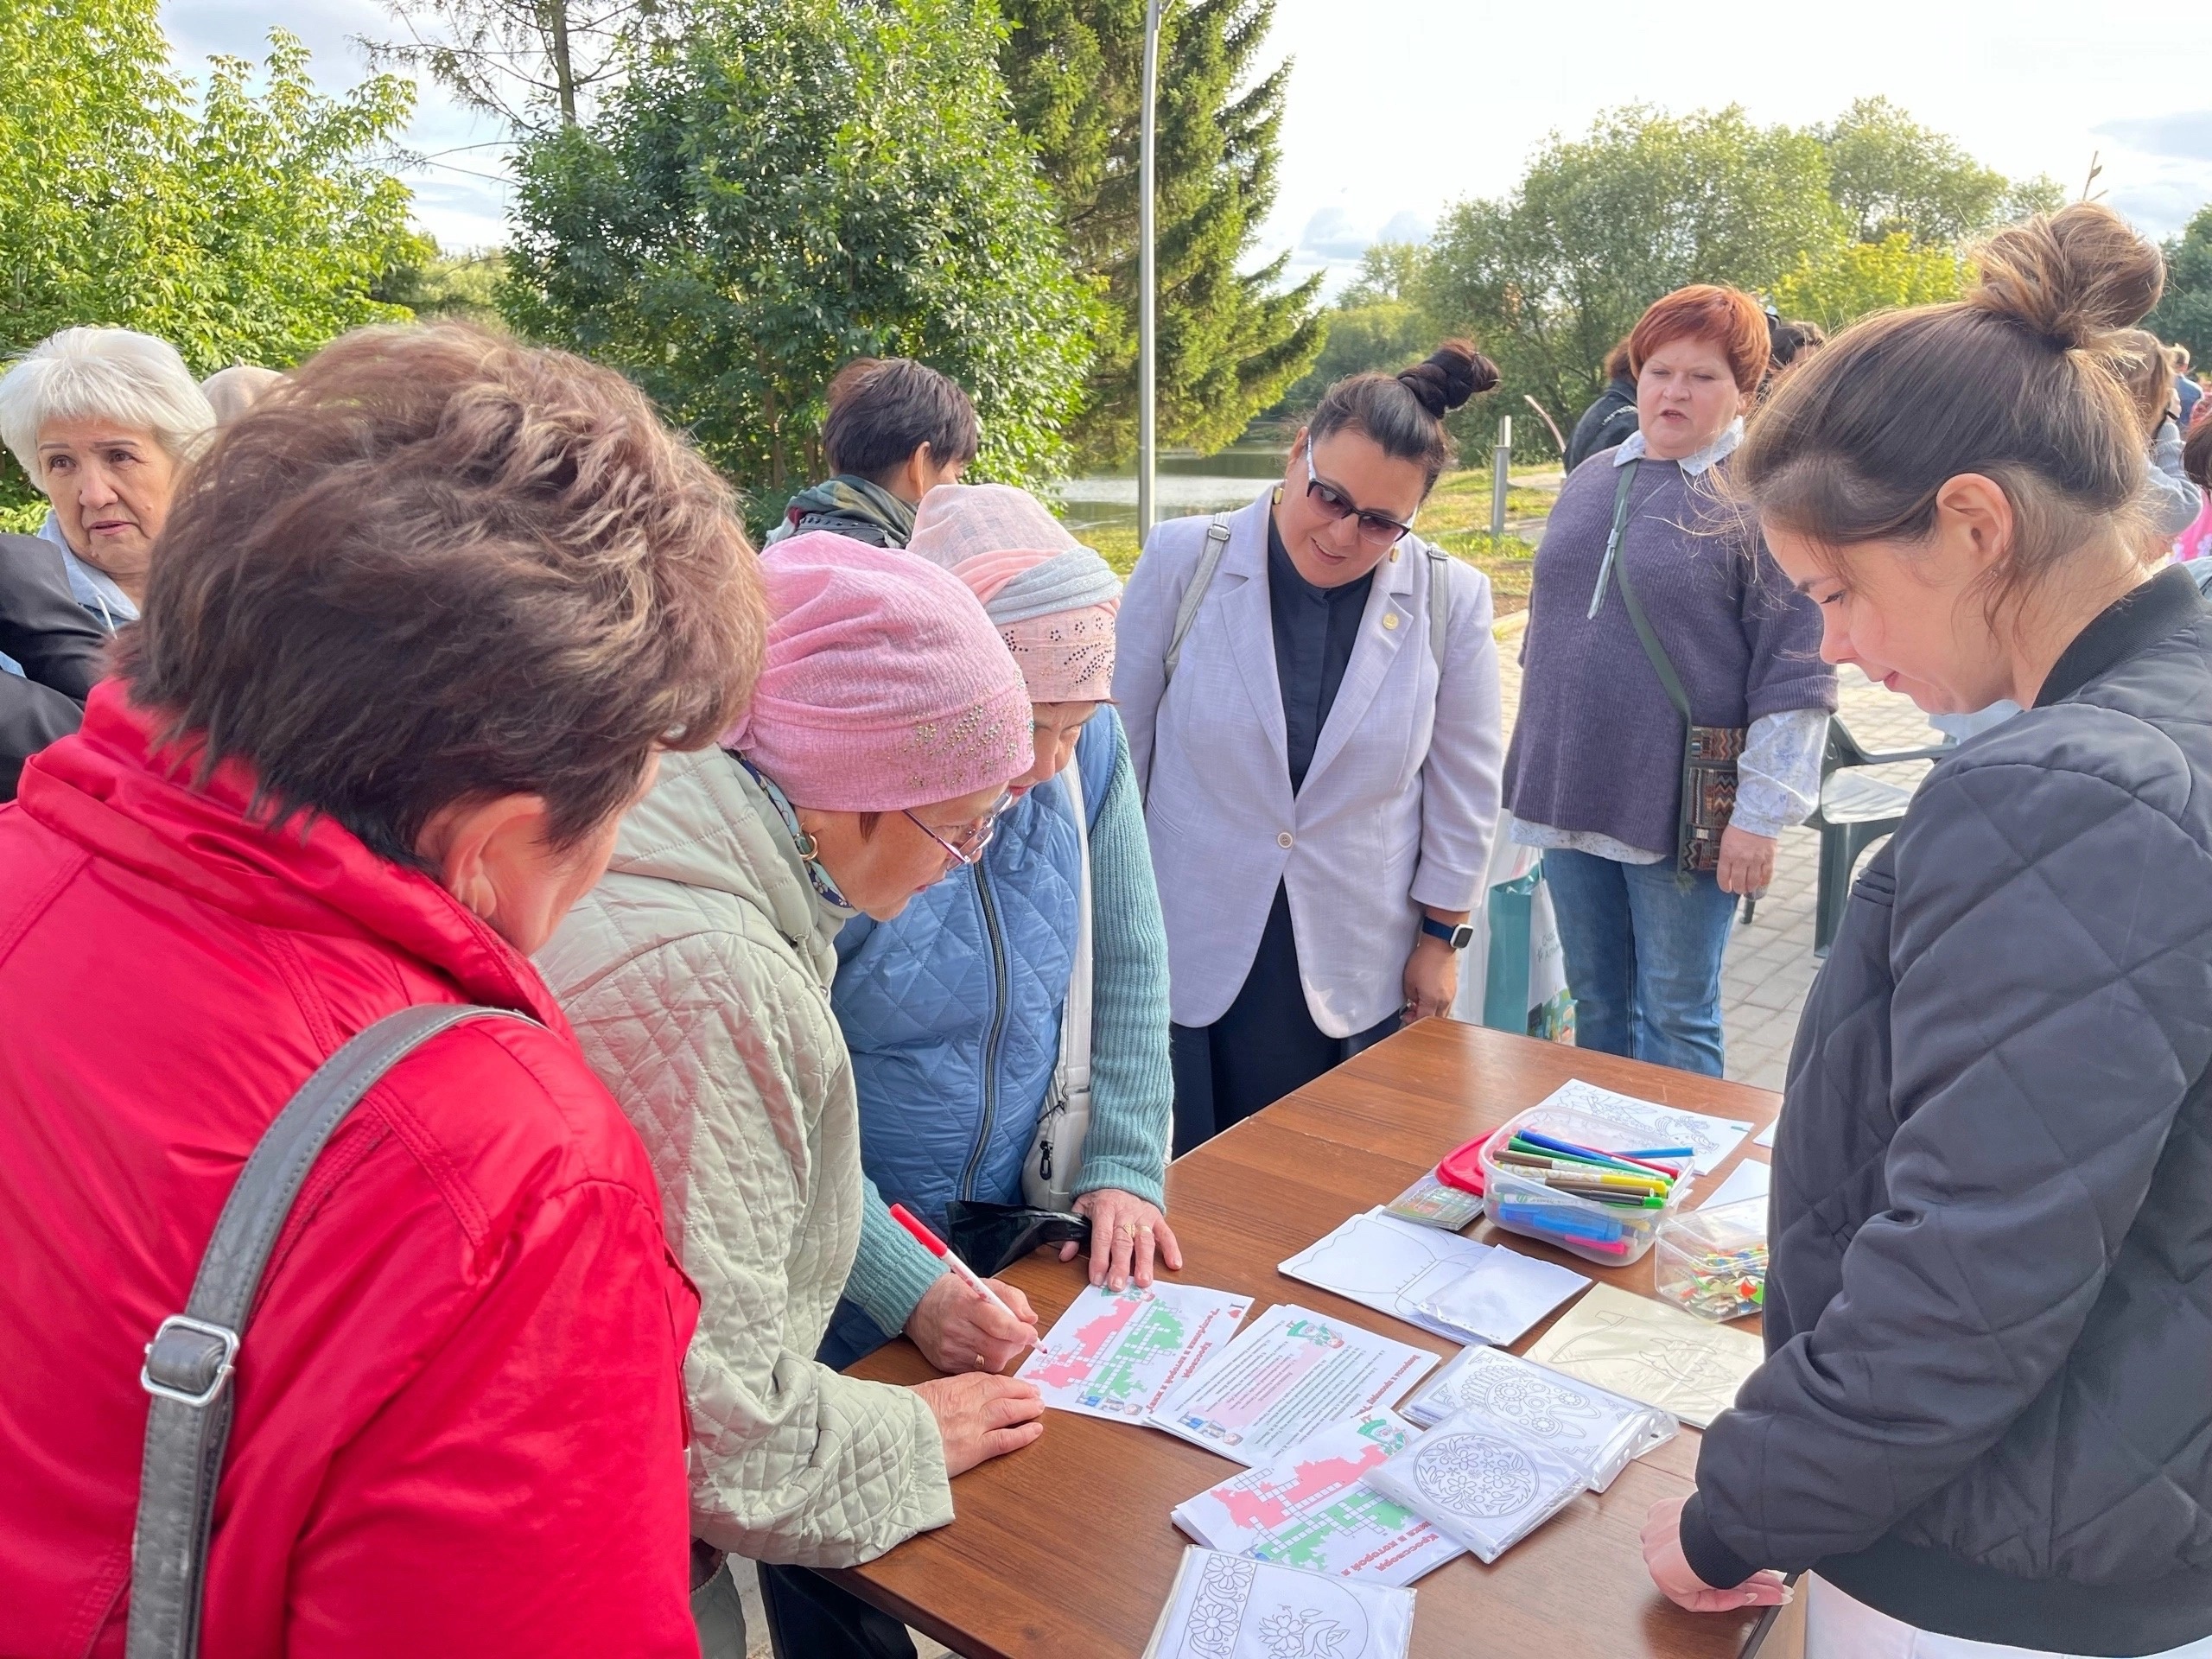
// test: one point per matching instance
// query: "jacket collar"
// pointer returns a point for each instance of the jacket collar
(1697, 461)
(2163, 605)
(861, 497)
(108, 790)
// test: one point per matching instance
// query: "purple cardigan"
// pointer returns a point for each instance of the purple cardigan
(1597, 746)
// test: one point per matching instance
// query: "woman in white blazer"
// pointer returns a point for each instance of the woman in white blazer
(1312, 700)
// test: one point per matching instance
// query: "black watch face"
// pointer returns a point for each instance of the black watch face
(1463, 936)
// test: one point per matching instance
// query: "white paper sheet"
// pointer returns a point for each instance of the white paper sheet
(1482, 1482)
(1600, 1430)
(1749, 1179)
(1118, 1354)
(1233, 1607)
(1311, 1509)
(1290, 1373)
(1715, 1137)
(1500, 1297)
(1387, 1264)
(1766, 1135)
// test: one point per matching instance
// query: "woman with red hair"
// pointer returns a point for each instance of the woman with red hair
(1674, 705)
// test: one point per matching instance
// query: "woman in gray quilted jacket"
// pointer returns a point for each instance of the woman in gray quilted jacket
(1983, 1420)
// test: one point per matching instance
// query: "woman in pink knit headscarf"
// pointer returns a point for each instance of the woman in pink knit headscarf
(1009, 1031)
(872, 759)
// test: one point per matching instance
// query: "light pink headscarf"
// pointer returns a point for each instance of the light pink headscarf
(1052, 599)
(886, 686)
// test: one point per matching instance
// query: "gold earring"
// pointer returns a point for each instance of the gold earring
(1278, 495)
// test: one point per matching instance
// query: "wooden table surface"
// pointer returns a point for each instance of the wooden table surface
(1066, 1548)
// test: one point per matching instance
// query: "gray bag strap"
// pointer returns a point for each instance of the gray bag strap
(1194, 594)
(188, 1363)
(1439, 602)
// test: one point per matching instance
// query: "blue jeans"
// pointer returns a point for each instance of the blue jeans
(1643, 958)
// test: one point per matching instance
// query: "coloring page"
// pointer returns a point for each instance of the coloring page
(1233, 1607)
(1713, 1138)
(1500, 1297)
(1481, 1482)
(1118, 1354)
(1389, 1265)
(1600, 1431)
(1652, 1352)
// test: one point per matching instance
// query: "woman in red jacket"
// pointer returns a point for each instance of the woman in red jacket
(419, 625)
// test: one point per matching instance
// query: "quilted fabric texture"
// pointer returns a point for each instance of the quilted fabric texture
(1989, 1319)
(697, 977)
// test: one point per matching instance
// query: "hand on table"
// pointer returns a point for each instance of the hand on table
(958, 1331)
(982, 1417)
(1432, 979)
(1670, 1569)
(1746, 861)
(1125, 1231)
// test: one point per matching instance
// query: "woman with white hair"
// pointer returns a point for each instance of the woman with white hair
(104, 421)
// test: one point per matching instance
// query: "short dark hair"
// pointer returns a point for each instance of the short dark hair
(437, 566)
(883, 408)
(1404, 412)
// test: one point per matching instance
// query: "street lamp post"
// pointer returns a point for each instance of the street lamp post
(1148, 275)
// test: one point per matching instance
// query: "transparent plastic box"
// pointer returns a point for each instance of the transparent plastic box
(1712, 1261)
(1608, 1234)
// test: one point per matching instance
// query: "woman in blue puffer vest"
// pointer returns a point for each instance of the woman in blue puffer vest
(953, 1012)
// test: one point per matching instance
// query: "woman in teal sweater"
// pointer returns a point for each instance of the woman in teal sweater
(955, 1012)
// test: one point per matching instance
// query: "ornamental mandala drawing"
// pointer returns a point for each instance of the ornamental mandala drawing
(1537, 1403)
(1310, 1634)
(1223, 1588)
(1471, 1474)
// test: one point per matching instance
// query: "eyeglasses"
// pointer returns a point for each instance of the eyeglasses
(1376, 529)
(975, 838)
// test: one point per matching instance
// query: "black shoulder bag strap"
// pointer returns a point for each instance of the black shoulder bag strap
(188, 1363)
(1709, 752)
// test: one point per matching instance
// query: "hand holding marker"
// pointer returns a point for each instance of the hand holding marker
(938, 1248)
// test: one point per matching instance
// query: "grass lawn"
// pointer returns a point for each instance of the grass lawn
(1456, 518)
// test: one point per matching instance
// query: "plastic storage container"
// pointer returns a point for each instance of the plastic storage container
(1607, 1234)
(1713, 1261)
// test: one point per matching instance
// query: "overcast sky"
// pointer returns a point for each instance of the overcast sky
(1399, 107)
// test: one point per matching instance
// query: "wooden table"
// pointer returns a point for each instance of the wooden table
(1066, 1548)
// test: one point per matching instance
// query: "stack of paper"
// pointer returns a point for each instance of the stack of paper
(1293, 1372)
(1233, 1607)
(1480, 1482)
(1500, 1297)
(1651, 1125)
(1313, 1510)
(1118, 1354)
(1586, 1424)
(1389, 1265)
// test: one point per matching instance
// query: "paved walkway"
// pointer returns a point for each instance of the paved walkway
(1770, 964)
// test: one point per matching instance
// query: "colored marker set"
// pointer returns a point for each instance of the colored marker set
(1550, 1176)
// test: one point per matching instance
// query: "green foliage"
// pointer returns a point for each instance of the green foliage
(1837, 285)
(1891, 176)
(245, 225)
(1229, 341)
(2185, 311)
(464, 285)
(1548, 277)
(1832, 222)
(1376, 323)
(795, 184)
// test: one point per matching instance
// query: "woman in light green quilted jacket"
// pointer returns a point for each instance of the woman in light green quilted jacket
(886, 725)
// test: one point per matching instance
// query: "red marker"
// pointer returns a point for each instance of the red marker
(938, 1248)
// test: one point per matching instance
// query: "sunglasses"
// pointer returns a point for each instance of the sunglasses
(969, 847)
(1376, 529)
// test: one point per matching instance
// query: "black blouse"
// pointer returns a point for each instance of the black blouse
(1315, 631)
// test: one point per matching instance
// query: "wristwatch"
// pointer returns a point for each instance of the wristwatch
(1458, 938)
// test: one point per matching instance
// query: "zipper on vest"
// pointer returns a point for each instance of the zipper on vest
(990, 1042)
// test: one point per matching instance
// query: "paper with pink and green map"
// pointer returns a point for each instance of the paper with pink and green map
(1118, 1354)
(1312, 1509)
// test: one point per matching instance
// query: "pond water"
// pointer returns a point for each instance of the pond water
(1181, 484)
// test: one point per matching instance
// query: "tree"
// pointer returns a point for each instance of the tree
(525, 61)
(1377, 322)
(247, 225)
(1230, 341)
(1549, 277)
(2185, 311)
(1837, 285)
(1889, 176)
(797, 183)
(464, 286)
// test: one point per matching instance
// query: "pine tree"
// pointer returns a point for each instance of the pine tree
(1230, 343)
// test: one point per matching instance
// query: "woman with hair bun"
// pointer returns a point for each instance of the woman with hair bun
(1653, 626)
(1312, 700)
(1982, 1420)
